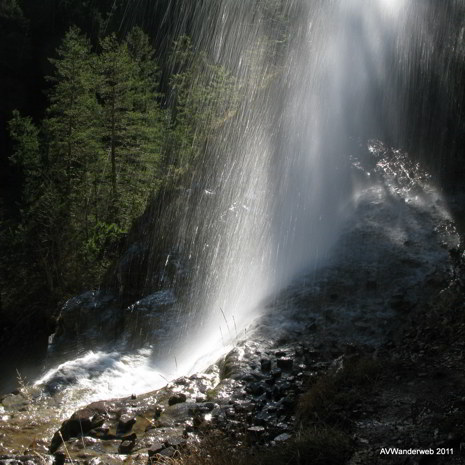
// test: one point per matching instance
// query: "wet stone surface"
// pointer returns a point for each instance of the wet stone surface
(254, 405)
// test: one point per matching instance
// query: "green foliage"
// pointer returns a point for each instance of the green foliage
(105, 147)
(10, 9)
(26, 151)
(205, 97)
(132, 124)
(89, 170)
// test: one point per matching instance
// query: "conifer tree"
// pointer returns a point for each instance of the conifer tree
(133, 124)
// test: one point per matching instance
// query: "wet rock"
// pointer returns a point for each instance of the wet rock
(155, 448)
(262, 419)
(270, 381)
(125, 424)
(256, 389)
(59, 458)
(168, 452)
(282, 437)
(265, 364)
(255, 433)
(176, 442)
(229, 412)
(178, 398)
(285, 363)
(288, 403)
(81, 422)
(200, 408)
(278, 392)
(243, 406)
(126, 447)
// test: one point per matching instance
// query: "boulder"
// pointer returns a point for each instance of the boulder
(80, 423)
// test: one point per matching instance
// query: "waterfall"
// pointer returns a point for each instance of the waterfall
(315, 79)
(281, 184)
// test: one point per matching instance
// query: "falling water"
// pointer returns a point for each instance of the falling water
(314, 78)
(281, 185)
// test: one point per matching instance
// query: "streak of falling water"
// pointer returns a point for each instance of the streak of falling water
(281, 183)
(271, 197)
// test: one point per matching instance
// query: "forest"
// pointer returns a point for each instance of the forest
(91, 132)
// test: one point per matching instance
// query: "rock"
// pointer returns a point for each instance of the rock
(59, 458)
(243, 407)
(125, 424)
(101, 432)
(126, 447)
(81, 422)
(265, 364)
(256, 389)
(288, 403)
(229, 412)
(177, 399)
(255, 433)
(256, 429)
(155, 448)
(278, 392)
(176, 442)
(262, 419)
(168, 452)
(285, 363)
(282, 437)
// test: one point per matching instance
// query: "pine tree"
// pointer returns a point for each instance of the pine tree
(74, 152)
(205, 97)
(73, 129)
(133, 124)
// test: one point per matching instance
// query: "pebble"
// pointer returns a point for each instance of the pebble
(282, 437)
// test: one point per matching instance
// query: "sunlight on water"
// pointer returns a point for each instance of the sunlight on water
(277, 188)
(102, 375)
(393, 7)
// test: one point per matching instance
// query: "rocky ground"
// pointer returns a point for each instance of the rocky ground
(290, 401)
(268, 401)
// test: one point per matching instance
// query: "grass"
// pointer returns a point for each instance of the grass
(312, 446)
(24, 387)
(327, 400)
